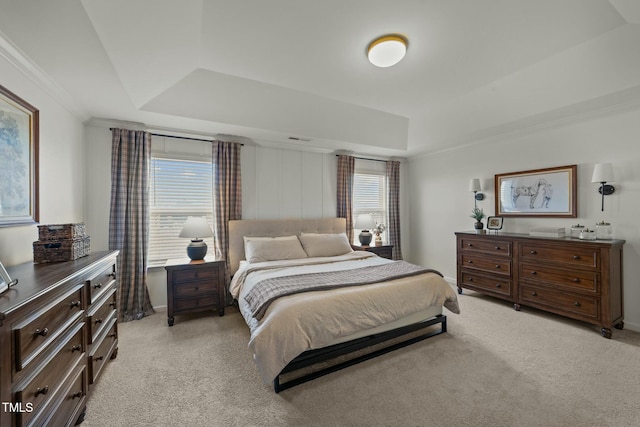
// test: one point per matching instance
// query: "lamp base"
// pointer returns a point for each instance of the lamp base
(197, 249)
(365, 237)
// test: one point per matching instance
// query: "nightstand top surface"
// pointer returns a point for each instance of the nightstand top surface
(175, 262)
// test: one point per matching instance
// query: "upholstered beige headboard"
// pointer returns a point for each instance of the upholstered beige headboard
(275, 228)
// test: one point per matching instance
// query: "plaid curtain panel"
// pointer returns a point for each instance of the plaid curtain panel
(227, 195)
(346, 170)
(129, 220)
(393, 210)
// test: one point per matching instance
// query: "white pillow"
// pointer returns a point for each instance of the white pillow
(261, 249)
(318, 245)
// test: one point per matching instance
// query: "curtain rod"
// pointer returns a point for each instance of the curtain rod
(364, 158)
(181, 137)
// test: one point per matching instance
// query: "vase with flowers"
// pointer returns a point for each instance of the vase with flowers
(378, 232)
(477, 214)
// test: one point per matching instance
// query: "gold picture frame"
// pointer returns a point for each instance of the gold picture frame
(549, 192)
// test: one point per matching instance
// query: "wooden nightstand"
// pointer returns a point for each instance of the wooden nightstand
(384, 251)
(194, 286)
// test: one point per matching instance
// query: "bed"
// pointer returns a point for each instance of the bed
(314, 306)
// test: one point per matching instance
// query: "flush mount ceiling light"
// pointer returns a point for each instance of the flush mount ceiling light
(387, 50)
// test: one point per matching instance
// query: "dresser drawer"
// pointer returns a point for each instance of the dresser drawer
(199, 288)
(102, 350)
(72, 398)
(98, 316)
(570, 255)
(101, 283)
(581, 280)
(494, 247)
(192, 274)
(35, 332)
(42, 389)
(496, 285)
(568, 304)
(491, 265)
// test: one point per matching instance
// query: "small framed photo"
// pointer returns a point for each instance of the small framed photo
(5, 280)
(494, 223)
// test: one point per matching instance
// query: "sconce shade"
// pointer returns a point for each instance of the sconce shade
(602, 172)
(474, 185)
(195, 228)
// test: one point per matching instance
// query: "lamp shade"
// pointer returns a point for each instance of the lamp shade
(196, 227)
(602, 172)
(474, 184)
(365, 222)
(387, 50)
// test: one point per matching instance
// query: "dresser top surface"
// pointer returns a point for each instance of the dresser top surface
(499, 235)
(37, 279)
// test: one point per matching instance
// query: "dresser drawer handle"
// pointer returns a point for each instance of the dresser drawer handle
(112, 304)
(112, 275)
(577, 304)
(41, 332)
(196, 288)
(533, 252)
(196, 275)
(75, 304)
(76, 395)
(97, 286)
(534, 273)
(534, 294)
(469, 261)
(497, 248)
(97, 359)
(76, 348)
(576, 280)
(576, 257)
(44, 390)
(498, 285)
(113, 335)
(497, 265)
(97, 321)
(470, 245)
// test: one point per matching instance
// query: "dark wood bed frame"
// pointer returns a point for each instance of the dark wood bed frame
(312, 357)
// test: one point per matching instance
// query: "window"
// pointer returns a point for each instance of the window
(178, 189)
(370, 195)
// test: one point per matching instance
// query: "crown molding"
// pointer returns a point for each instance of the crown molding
(31, 70)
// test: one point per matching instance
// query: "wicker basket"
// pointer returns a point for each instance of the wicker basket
(61, 231)
(60, 250)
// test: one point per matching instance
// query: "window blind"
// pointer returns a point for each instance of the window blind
(370, 196)
(178, 189)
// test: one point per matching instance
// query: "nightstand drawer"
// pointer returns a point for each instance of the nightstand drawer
(201, 302)
(192, 289)
(181, 276)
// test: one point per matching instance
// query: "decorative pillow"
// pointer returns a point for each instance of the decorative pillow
(261, 249)
(318, 245)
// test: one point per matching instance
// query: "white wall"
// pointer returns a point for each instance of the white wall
(62, 168)
(441, 203)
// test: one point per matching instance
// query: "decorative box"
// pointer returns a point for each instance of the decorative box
(61, 231)
(61, 250)
(547, 232)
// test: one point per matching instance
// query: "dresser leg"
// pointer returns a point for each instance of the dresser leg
(170, 320)
(619, 325)
(605, 332)
(114, 354)
(516, 307)
(221, 311)
(81, 416)
(459, 290)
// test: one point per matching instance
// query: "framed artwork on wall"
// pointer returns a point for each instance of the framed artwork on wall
(19, 133)
(547, 192)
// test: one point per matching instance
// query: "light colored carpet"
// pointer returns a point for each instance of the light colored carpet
(495, 367)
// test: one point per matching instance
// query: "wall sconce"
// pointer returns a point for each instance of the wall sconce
(474, 186)
(603, 173)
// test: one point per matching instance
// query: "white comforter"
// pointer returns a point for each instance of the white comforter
(310, 320)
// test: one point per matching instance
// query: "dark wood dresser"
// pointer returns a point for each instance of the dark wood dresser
(194, 286)
(384, 251)
(580, 279)
(58, 327)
